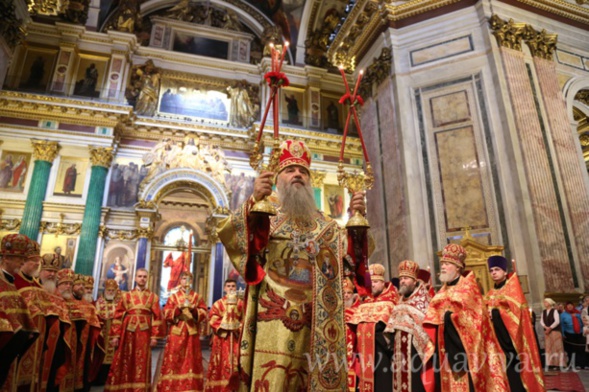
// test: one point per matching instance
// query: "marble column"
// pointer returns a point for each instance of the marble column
(100, 158)
(548, 225)
(565, 144)
(44, 153)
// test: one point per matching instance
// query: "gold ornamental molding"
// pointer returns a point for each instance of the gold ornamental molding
(317, 178)
(237, 140)
(369, 17)
(119, 235)
(35, 107)
(560, 8)
(101, 156)
(9, 224)
(45, 150)
(146, 205)
(60, 228)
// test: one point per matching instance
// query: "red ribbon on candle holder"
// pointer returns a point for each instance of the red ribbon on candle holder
(352, 100)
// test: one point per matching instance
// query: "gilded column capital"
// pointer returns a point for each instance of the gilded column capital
(508, 34)
(45, 150)
(101, 156)
(541, 43)
(145, 232)
(317, 178)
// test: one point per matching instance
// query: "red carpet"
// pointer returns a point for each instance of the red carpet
(567, 381)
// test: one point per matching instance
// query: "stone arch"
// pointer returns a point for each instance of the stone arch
(249, 20)
(165, 182)
(570, 89)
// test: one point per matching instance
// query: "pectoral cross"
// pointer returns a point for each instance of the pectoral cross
(297, 244)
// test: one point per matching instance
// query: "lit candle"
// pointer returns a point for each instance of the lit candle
(283, 55)
(513, 264)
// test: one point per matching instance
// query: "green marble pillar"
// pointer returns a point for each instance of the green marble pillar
(44, 153)
(101, 159)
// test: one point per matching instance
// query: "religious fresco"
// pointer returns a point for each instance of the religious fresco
(14, 167)
(90, 75)
(64, 245)
(190, 99)
(286, 14)
(126, 175)
(202, 46)
(37, 69)
(118, 263)
(71, 176)
(333, 201)
(292, 107)
(241, 186)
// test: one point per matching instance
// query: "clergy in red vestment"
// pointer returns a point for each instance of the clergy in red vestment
(65, 280)
(467, 356)
(225, 319)
(136, 327)
(514, 330)
(370, 320)
(105, 307)
(351, 302)
(411, 344)
(90, 340)
(182, 357)
(28, 373)
(17, 329)
(57, 357)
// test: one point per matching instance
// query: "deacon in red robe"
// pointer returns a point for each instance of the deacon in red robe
(182, 368)
(225, 319)
(514, 330)
(135, 330)
(370, 320)
(468, 356)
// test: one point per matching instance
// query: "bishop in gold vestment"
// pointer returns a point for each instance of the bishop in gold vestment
(294, 336)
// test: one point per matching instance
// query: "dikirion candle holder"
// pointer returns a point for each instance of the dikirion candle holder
(276, 79)
(354, 181)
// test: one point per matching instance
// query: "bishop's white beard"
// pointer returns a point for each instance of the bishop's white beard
(49, 286)
(296, 201)
(405, 290)
(446, 277)
(67, 295)
(109, 297)
(88, 297)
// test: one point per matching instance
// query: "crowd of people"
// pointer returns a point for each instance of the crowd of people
(316, 315)
(55, 337)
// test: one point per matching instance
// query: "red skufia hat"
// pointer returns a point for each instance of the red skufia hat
(294, 152)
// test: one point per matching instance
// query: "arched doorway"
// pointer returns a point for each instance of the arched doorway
(178, 204)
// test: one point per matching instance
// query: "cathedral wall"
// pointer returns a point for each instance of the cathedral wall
(465, 161)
